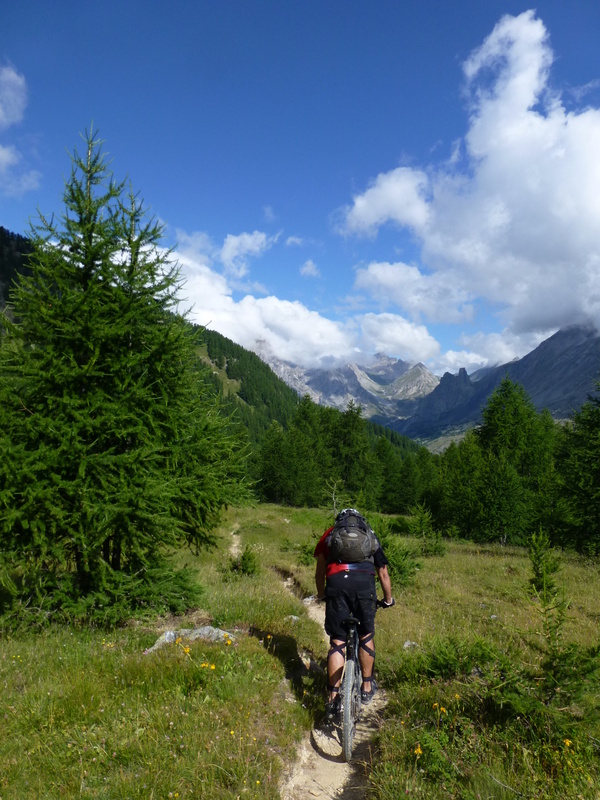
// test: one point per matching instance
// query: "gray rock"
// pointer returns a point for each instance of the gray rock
(206, 632)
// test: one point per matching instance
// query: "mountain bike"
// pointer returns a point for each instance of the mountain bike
(351, 685)
(350, 689)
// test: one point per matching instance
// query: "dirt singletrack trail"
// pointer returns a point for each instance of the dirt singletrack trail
(320, 770)
(235, 547)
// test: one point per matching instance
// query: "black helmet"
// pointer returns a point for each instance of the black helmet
(347, 511)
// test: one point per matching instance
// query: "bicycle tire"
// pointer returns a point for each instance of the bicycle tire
(351, 706)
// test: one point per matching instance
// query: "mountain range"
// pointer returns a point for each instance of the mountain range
(558, 375)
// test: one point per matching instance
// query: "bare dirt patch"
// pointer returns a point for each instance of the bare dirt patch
(320, 770)
(235, 548)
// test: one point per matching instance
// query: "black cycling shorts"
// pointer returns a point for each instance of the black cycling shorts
(349, 593)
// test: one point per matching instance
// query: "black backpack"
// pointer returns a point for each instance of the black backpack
(352, 540)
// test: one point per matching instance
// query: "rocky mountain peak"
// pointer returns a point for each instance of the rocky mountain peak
(558, 375)
(387, 388)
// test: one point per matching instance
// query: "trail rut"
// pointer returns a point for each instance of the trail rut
(319, 770)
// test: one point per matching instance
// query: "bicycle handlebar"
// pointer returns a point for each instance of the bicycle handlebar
(380, 603)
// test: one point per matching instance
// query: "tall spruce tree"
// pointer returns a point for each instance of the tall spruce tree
(112, 450)
(275, 466)
(355, 458)
(309, 464)
(580, 472)
(499, 484)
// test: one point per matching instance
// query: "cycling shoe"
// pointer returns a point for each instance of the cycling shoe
(366, 697)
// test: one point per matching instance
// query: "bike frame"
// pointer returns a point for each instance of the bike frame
(350, 688)
(351, 684)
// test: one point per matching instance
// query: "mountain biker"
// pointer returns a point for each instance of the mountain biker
(349, 588)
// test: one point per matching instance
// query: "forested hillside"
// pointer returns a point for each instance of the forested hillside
(248, 385)
(300, 453)
(307, 455)
(517, 473)
(13, 250)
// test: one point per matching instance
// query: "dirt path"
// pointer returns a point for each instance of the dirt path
(320, 770)
(235, 548)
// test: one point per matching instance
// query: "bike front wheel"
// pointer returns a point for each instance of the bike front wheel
(351, 707)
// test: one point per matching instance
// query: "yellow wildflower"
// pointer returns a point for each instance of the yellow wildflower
(418, 750)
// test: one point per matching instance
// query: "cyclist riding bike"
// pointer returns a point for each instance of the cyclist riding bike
(346, 581)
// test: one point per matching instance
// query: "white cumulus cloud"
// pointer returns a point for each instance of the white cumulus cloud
(487, 349)
(13, 97)
(14, 180)
(309, 269)
(397, 196)
(237, 250)
(437, 297)
(513, 220)
(292, 331)
(507, 223)
(391, 333)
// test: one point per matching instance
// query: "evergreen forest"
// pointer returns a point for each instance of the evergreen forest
(127, 431)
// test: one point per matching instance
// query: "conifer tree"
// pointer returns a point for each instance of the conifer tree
(499, 483)
(354, 457)
(275, 466)
(580, 470)
(309, 461)
(462, 481)
(389, 466)
(112, 449)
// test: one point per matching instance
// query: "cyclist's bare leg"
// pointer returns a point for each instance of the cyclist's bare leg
(335, 666)
(366, 656)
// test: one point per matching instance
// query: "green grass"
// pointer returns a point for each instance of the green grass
(87, 713)
(93, 716)
(90, 714)
(468, 716)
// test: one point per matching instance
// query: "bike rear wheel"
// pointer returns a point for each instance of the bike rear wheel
(351, 706)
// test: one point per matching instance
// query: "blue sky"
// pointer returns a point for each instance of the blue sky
(337, 177)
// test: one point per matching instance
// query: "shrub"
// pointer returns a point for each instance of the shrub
(402, 558)
(246, 563)
(421, 527)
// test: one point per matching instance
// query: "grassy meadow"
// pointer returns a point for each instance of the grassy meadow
(492, 692)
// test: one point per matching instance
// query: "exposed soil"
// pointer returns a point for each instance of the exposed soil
(319, 770)
(236, 543)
